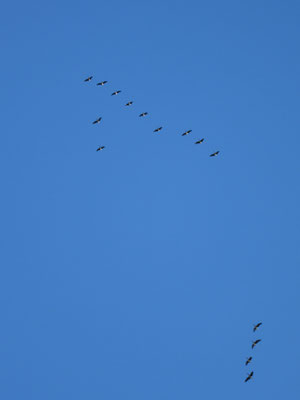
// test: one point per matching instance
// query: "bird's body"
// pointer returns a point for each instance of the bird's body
(88, 79)
(186, 132)
(249, 376)
(248, 360)
(199, 141)
(129, 103)
(257, 326)
(255, 343)
(101, 83)
(158, 129)
(116, 92)
(143, 114)
(100, 148)
(97, 120)
(214, 154)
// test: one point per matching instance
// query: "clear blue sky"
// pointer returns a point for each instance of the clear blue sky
(138, 272)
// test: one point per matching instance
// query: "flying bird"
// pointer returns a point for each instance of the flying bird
(116, 92)
(143, 114)
(97, 120)
(257, 326)
(249, 376)
(186, 132)
(129, 103)
(88, 79)
(214, 154)
(248, 361)
(199, 141)
(158, 129)
(101, 83)
(100, 148)
(255, 343)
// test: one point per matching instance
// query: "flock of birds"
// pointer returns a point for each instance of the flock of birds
(249, 359)
(143, 114)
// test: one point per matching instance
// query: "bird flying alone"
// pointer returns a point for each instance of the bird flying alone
(97, 120)
(186, 132)
(129, 103)
(100, 148)
(257, 326)
(143, 114)
(88, 79)
(214, 154)
(101, 83)
(255, 343)
(116, 92)
(158, 129)
(248, 361)
(249, 376)
(199, 141)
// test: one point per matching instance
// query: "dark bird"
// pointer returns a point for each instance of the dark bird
(248, 361)
(101, 83)
(100, 148)
(97, 121)
(143, 114)
(214, 154)
(186, 132)
(88, 79)
(199, 141)
(249, 376)
(129, 103)
(116, 92)
(255, 343)
(257, 326)
(158, 129)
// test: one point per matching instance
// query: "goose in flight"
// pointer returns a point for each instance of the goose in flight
(248, 360)
(199, 141)
(100, 148)
(214, 154)
(101, 83)
(257, 326)
(116, 92)
(97, 120)
(249, 376)
(88, 79)
(158, 129)
(255, 343)
(129, 103)
(143, 114)
(186, 132)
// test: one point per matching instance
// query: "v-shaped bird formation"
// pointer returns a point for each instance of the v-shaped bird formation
(249, 359)
(143, 114)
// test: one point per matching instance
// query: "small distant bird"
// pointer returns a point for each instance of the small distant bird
(97, 120)
(143, 114)
(257, 326)
(249, 376)
(248, 361)
(101, 83)
(100, 148)
(255, 343)
(199, 141)
(129, 103)
(158, 129)
(214, 154)
(116, 92)
(88, 79)
(186, 132)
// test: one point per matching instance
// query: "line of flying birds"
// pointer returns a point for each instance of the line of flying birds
(249, 359)
(143, 114)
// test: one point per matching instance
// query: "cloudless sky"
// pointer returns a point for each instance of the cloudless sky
(138, 272)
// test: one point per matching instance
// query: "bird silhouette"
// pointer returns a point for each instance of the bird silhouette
(143, 114)
(100, 148)
(186, 132)
(116, 92)
(88, 79)
(214, 154)
(158, 129)
(248, 360)
(129, 103)
(257, 326)
(249, 376)
(97, 120)
(199, 141)
(255, 343)
(101, 83)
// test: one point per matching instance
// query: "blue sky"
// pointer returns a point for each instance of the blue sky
(138, 272)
